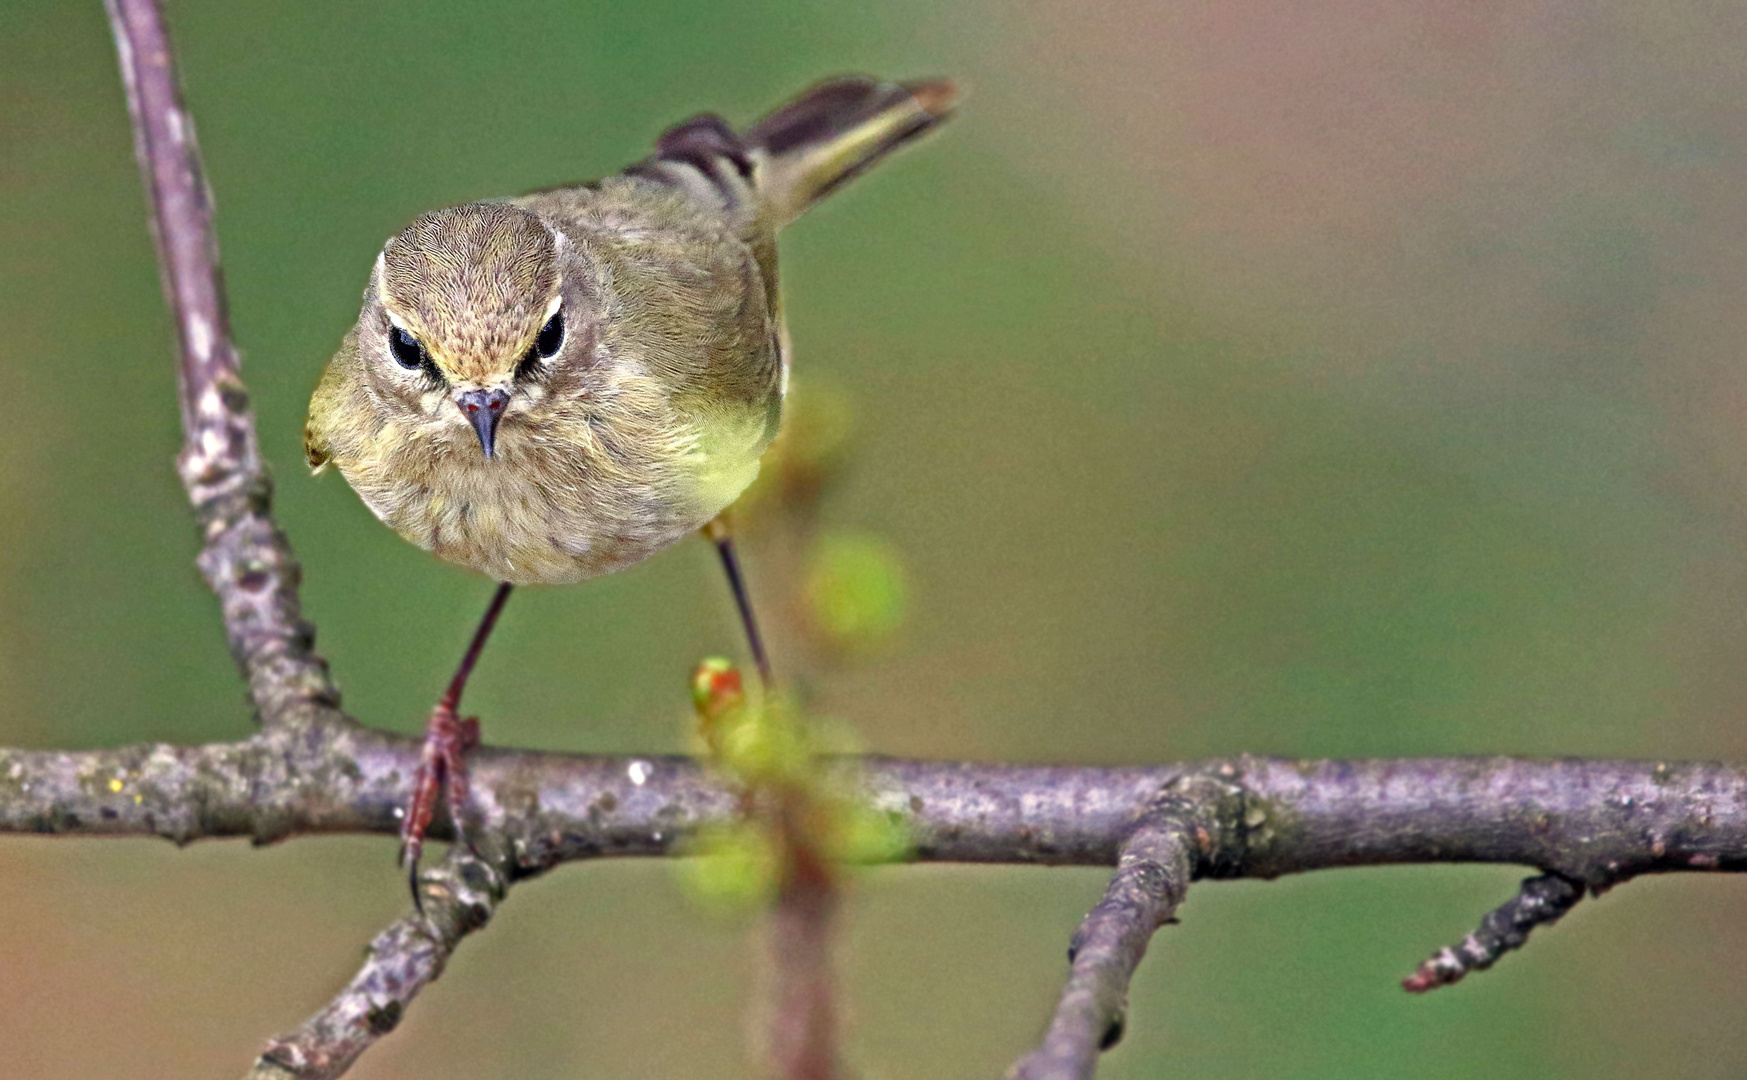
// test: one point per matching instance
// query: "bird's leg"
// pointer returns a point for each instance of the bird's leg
(718, 534)
(443, 764)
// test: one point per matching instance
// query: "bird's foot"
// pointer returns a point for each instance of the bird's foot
(442, 769)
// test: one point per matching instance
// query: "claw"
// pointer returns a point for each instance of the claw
(442, 767)
(457, 787)
(412, 881)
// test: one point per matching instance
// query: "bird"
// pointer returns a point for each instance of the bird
(550, 387)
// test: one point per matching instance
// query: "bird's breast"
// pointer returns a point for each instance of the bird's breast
(563, 502)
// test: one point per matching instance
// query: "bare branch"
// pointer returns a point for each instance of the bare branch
(1152, 877)
(460, 897)
(1597, 823)
(305, 772)
(1540, 901)
(246, 559)
(1591, 823)
(803, 1029)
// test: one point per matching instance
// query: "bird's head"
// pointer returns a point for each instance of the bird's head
(466, 314)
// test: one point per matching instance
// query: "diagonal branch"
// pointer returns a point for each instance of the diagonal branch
(1152, 877)
(460, 897)
(1540, 902)
(245, 558)
(280, 781)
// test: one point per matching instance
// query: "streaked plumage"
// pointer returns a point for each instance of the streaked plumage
(649, 415)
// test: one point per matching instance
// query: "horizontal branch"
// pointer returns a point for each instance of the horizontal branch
(1584, 824)
(1592, 822)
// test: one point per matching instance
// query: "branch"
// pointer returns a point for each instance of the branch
(1593, 824)
(245, 558)
(461, 896)
(284, 779)
(1152, 877)
(1540, 901)
(1597, 823)
(803, 1027)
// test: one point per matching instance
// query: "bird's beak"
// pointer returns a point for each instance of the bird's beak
(483, 409)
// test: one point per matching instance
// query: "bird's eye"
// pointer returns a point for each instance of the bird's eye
(408, 353)
(551, 336)
(545, 346)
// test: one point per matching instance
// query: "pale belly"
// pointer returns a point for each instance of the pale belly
(518, 519)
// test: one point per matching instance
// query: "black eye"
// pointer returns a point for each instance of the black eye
(551, 336)
(406, 349)
(545, 346)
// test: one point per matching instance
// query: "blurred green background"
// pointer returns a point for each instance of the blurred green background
(1319, 379)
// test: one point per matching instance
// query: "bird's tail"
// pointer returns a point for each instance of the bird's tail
(832, 132)
(768, 175)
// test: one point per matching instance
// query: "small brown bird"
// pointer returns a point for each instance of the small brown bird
(550, 388)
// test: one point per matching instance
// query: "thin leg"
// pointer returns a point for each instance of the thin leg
(443, 763)
(717, 531)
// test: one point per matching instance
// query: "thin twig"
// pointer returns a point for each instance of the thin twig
(1540, 902)
(1150, 882)
(246, 559)
(460, 897)
(803, 1031)
(1153, 871)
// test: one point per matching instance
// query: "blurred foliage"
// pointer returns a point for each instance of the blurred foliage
(855, 590)
(1301, 379)
(807, 453)
(796, 816)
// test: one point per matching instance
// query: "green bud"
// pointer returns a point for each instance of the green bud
(856, 591)
(734, 866)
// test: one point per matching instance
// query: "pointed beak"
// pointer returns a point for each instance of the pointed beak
(483, 409)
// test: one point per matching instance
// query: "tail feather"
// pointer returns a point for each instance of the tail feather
(833, 132)
(706, 143)
(770, 174)
(704, 156)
